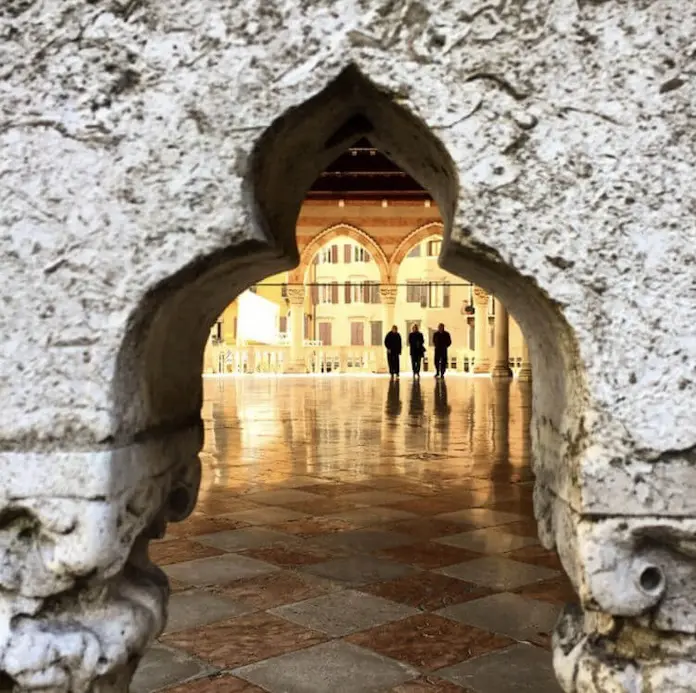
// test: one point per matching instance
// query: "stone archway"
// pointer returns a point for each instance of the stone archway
(168, 178)
(422, 233)
(297, 276)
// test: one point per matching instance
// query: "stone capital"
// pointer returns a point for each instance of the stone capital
(296, 295)
(480, 296)
(387, 294)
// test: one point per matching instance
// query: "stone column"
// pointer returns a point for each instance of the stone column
(501, 365)
(525, 374)
(387, 296)
(296, 297)
(482, 362)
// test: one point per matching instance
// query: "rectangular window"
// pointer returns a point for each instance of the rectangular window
(347, 292)
(347, 253)
(431, 332)
(357, 334)
(446, 296)
(415, 251)
(434, 248)
(314, 294)
(413, 292)
(360, 254)
(334, 291)
(325, 333)
(334, 254)
(374, 293)
(376, 333)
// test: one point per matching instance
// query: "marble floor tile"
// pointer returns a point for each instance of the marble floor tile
(334, 490)
(524, 528)
(163, 666)
(296, 555)
(219, 570)
(359, 570)
(337, 666)
(377, 497)
(557, 590)
(267, 516)
(197, 608)
(218, 683)
(202, 524)
(177, 550)
(498, 573)
(428, 555)
(537, 555)
(429, 684)
(424, 528)
(344, 612)
(366, 517)
(324, 506)
(480, 517)
(517, 669)
(311, 526)
(273, 589)
(487, 540)
(429, 642)
(431, 506)
(427, 591)
(364, 540)
(240, 539)
(520, 618)
(283, 497)
(240, 641)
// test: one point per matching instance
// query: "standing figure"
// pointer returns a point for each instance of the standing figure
(392, 342)
(441, 341)
(416, 347)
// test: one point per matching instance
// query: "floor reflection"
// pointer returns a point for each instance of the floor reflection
(356, 524)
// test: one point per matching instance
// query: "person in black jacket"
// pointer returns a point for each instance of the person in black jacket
(416, 347)
(392, 342)
(441, 341)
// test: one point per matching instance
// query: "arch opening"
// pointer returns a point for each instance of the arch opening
(158, 387)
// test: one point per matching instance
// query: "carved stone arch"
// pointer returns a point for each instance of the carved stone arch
(328, 234)
(433, 228)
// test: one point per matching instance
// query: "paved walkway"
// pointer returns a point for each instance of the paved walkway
(352, 535)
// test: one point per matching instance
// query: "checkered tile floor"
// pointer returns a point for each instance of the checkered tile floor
(354, 535)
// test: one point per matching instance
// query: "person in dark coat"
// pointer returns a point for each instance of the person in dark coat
(441, 341)
(416, 347)
(392, 342)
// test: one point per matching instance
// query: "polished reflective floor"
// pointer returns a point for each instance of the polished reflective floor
(357, 535)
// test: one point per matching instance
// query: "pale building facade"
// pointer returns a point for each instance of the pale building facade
(358, 281)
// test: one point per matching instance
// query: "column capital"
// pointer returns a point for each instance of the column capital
(296, 295)
(480, 296)
(387, 293)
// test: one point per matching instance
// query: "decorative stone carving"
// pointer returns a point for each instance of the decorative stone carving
(481, 296)
(80, 600)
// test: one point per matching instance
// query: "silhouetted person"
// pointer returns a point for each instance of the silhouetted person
(441, 341)
(416, 348)
(392, 342)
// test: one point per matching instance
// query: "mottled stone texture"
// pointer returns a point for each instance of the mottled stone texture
(154, 156)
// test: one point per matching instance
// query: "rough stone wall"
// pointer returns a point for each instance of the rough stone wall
(132, 207)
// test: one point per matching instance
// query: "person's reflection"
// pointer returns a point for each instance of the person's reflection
(441, 406)
(415, 405)
(393, 407)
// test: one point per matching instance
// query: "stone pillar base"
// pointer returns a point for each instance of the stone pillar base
(500, 371)
(525, 375)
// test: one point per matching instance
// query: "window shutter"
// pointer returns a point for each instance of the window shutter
(376, 330)
(314, 294)
(334, 291)
(347, 253)
(424, 295)
(283, 324)
(347, 291)
(315, 261)
(334, 254)
(445, 295)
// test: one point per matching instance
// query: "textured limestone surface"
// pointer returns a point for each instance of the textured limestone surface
(154, 156)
